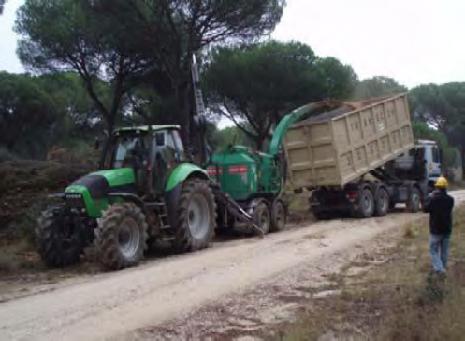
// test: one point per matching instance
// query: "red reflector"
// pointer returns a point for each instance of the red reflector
(352, 195)
(238, 169)
(214, 170)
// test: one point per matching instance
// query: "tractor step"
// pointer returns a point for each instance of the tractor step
(162, 213)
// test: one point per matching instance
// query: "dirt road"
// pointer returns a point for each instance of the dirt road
(136, 302)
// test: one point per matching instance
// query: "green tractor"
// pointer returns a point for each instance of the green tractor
(148, 191)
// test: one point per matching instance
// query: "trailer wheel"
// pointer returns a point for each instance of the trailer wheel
(261, 217)
(366, 204)
(414, 201)
(381, 203)
(278, 216)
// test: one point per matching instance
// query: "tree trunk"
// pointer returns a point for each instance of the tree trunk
(106, 145)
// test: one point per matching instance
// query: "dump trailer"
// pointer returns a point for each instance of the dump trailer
(360, 158)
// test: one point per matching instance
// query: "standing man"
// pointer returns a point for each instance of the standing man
(440, 205)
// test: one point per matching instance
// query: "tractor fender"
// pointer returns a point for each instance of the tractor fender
(174, 184)
(182, 172)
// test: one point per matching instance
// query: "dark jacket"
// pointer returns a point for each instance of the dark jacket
(439, 205)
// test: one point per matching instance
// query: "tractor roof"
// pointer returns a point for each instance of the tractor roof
(147, 128)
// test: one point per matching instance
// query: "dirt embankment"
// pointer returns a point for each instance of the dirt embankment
(225, 290)
(25, 183)
(24, 186)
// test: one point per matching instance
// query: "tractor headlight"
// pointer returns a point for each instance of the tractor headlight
(74, 200)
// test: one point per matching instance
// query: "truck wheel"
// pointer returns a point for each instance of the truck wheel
(121, 236)
(381, 203)
(196, 216)
(278, 216)
(261, 217)
(58, 238)
(366, 204)
(414, 201)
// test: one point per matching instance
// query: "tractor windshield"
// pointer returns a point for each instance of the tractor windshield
(126, 149)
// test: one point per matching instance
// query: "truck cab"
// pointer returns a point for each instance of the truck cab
(424, 162)
(433, 159)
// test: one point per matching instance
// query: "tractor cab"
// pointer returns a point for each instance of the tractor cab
(151, 151)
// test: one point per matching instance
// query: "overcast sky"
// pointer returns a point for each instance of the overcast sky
(413, 41)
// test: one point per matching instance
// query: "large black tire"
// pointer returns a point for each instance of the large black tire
(196, 216)
(366, 204)
(278, 216)
(121, 236)
(58, 238)
(381, 203)
(261, 216)
(414, 201)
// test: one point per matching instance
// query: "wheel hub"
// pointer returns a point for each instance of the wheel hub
(129, 237)
(198, 216)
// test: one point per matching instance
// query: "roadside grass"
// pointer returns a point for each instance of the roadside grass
(398, 299)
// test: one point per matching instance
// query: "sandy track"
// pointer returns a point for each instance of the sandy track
(112, 304)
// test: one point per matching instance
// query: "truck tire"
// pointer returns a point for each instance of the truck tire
(414, 201)
(261, 216)
(278, 216)
(121, 236)
(58, 239)
(366, 204)
(381, 203)
(196, 216)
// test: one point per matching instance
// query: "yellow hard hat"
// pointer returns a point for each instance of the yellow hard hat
(441, 182)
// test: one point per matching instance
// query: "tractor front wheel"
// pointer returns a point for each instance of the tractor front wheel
(196, 216)
(121, 236)
(58, 238)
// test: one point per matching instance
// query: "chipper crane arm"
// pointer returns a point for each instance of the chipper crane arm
(287, 121)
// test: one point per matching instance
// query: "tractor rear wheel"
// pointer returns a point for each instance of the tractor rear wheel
(58, 238)
(121, 236)
(278, 216)
(196, 216)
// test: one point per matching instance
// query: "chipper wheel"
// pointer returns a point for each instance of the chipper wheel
(121, 236)
(196, 216)
(278, 216)
(58, 238)
(261, 216)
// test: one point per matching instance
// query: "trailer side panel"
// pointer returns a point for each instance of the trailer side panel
(335, 149)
